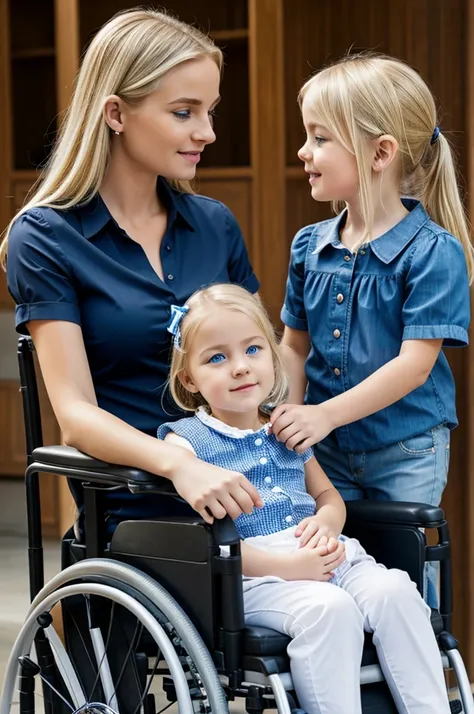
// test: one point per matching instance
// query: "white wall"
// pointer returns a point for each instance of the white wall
(8, 340)
(12, 491)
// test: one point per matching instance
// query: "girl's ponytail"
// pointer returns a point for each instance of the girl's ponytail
(437, 188)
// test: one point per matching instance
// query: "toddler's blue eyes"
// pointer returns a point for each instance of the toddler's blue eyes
(219, 357)
(215, 359)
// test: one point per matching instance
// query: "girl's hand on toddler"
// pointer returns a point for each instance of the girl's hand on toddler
(317, 563)
(310, 532)
(300, 426)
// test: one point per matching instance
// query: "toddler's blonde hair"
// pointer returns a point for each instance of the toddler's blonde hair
(236, 299)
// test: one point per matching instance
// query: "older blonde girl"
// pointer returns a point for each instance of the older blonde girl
(374, 294)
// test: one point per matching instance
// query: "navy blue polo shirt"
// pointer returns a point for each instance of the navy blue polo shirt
(79, 266)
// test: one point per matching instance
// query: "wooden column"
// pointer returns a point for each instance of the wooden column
(468, 572)
(66, 16)
(5, 137)
(267, 147)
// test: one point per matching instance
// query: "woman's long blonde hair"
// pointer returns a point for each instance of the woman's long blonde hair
(229, 297)
(365, 96)
(127, 57)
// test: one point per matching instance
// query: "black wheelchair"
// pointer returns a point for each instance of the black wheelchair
(156, 614)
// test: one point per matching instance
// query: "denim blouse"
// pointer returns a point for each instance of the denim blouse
(409, 284)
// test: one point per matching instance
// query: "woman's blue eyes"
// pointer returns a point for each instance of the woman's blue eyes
(219, 357)
(183, 114)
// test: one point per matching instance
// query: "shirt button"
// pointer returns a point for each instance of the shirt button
(362, 252)
(263, 460)
(268, 479)
(168, 247)
(340, 298)
(276, 489)
(258, 442)
(347, 258)
(170, 277)
(337, 371)
(288, 519)
(336, 334)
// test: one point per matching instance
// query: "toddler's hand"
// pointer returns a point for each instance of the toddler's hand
(310, 531)
(317, 563)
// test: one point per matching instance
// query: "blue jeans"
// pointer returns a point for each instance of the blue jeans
(411, 470)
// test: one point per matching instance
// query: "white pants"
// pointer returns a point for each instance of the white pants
(326, 622)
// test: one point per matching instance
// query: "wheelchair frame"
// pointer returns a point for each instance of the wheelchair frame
(251, 662)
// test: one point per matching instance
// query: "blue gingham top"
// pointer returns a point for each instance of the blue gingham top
(276, 472)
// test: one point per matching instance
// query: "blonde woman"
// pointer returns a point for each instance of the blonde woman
(301, 577)
(375, 293)
(112, 237)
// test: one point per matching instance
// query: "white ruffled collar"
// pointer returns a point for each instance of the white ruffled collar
(222, 428)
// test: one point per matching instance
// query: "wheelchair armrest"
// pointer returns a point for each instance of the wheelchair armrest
(418, 515)
(70, 462)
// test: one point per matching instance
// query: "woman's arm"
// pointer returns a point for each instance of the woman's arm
(299, 427)
(295, 349)
(87, 427)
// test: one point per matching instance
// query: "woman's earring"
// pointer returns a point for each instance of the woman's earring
(117, 133)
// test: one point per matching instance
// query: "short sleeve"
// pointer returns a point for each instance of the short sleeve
(38, 274)
(240, 269)
(293, 313)
(437, 301)
(307, 455)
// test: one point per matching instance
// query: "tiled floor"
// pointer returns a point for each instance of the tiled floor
(14, 594)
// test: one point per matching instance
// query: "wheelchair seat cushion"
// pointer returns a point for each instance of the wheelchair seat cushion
(263, 642)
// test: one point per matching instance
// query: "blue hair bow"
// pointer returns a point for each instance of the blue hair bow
(177, 314)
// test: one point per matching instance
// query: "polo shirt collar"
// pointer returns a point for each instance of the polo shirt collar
(95, 215)
(389, 245)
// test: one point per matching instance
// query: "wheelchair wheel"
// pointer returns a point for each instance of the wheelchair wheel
(103, 633)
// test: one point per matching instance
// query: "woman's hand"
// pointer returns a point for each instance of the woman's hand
(312, 532)
(213, 491)
(300, 426)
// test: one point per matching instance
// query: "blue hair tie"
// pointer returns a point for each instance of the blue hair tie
(177, 314)
(435, 135)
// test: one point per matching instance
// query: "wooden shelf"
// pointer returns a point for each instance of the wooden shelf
(34, 53)
(222, 36)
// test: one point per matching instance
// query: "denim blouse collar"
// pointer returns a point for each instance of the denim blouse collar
(94, 215)
(388, 245)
